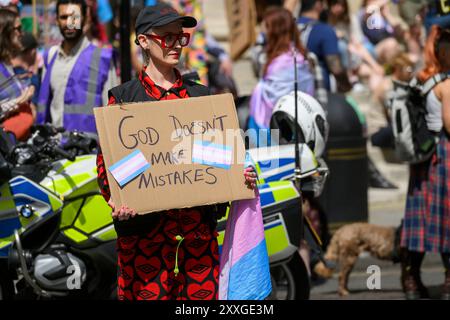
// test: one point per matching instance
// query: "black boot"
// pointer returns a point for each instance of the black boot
(446, 288)
(411, 280)
(376, 179)
(410, 287)
(423, 291)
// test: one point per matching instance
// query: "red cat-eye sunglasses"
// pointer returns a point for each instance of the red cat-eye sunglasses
(169, 40)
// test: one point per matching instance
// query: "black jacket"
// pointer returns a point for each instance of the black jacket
(133, 91)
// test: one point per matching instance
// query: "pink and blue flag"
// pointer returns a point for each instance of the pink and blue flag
(212, 154)
(244, 262)
(129, 167)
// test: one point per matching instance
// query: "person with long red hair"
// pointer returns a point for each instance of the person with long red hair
(281, 37)
(426, 226)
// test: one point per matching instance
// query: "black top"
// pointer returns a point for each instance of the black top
(133, 91)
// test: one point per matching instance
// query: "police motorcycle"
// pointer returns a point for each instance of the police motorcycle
(56, 232)
(57, 238)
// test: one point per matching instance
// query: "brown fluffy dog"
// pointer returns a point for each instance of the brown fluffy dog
(347, 244)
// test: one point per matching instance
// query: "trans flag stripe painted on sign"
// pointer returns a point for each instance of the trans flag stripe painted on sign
(212, 154)
(129, 167)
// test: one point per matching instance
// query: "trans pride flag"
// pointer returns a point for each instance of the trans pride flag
(277, 82)
(129, 167)
(211, 154)
(244, 262)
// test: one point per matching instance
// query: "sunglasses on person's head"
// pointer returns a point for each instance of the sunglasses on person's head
(169, 40)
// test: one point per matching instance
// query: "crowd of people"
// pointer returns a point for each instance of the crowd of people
(336, 50)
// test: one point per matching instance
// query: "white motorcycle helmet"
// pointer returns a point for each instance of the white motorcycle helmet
(312, 121)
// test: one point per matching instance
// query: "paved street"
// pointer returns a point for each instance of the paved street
(432, 276)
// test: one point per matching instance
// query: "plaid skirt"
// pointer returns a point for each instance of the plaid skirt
(426, 226)
(148, 263)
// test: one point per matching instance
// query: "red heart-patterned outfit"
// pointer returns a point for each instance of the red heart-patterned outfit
(147, 262)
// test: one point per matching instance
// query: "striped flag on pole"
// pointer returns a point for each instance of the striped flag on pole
(129, 167)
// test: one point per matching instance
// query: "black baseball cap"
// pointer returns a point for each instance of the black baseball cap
(160, 15)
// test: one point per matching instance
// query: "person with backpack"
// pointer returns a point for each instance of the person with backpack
(426, 226)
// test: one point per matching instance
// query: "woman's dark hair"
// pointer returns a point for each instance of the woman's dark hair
(81, 3)
(308, 5)
(436, 39)
(29, 42)
(8, 48)
(345, 16)
(281, 31)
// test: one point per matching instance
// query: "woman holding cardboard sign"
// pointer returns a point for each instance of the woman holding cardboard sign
(172, 254)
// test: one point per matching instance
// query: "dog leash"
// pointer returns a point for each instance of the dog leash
(317, 245)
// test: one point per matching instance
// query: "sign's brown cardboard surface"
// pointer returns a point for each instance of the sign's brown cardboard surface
(165, 132)
(241, 15)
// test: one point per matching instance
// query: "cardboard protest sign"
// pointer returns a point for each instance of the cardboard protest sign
(173, 154)
(241, 16)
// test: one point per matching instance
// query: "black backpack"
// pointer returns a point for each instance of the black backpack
(414, 143)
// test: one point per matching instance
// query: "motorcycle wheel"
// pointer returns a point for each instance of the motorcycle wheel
(290, 281)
